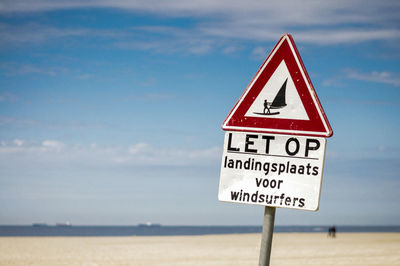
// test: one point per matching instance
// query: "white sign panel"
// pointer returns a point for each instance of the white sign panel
(274, 170)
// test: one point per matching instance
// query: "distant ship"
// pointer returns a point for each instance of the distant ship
(149, 224)
(66, 224)
(39, 224)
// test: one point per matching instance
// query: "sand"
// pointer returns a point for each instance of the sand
(241, 249)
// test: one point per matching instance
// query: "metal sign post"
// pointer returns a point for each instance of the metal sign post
(266, 237)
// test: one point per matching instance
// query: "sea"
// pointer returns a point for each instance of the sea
(161, 230)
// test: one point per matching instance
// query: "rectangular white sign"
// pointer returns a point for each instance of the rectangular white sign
(275, 170)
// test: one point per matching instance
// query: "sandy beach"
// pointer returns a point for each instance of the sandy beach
(241, 249)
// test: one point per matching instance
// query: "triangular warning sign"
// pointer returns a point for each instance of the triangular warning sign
(280, 98)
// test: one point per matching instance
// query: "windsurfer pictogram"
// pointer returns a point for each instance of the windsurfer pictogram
(278, 103)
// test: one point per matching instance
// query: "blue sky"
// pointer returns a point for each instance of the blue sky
(111, 111)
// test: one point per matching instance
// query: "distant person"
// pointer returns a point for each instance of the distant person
(332, 231)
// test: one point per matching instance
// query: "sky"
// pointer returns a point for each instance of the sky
(111, 111)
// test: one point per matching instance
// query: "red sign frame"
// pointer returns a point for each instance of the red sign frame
(317, 125)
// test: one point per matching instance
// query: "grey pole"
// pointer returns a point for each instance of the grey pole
(266, 237)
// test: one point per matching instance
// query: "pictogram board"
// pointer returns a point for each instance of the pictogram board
(280, 99)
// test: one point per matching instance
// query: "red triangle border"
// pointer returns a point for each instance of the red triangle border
(317, 125)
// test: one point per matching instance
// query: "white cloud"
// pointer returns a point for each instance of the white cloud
(374, 76)
(139, 154)
(18, 142)
(230, 49)
(52, 144)
(33, 33)
(220, 24)
(383, 77)
(213, 152)
(9, 121)
(145, 154)
(259, 52)
(12, 69)
(163, 39)
(348, 35)
(7, 97)
(255, 12)
(137, 148)
(29, 148)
